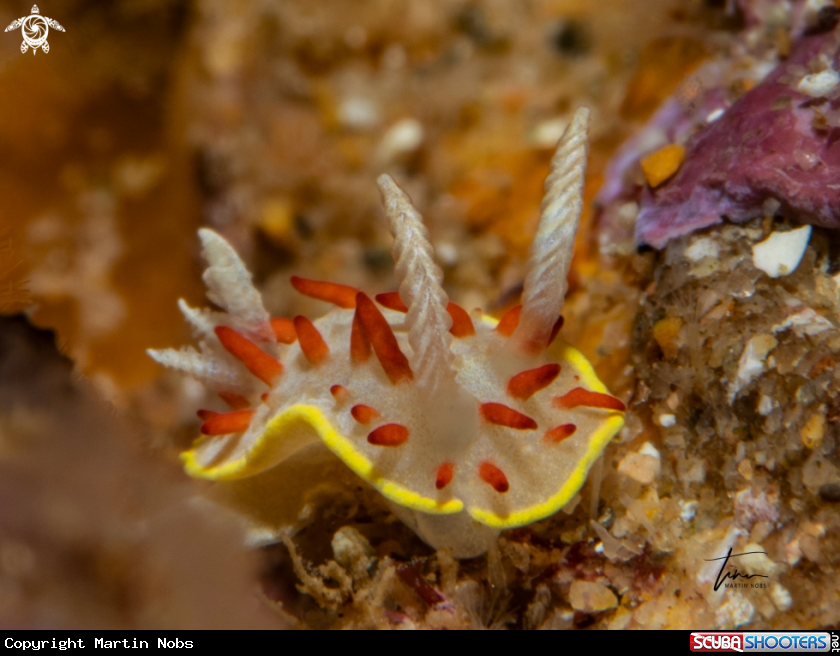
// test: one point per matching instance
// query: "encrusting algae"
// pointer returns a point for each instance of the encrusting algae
(465, 424)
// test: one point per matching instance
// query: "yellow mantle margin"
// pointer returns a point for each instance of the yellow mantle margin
(279, 440)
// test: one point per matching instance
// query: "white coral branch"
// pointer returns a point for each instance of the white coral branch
(420, 281)
(553, 246)
(211, 370)
(229, 286)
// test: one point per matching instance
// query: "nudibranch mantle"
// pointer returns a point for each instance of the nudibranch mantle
(465, 424)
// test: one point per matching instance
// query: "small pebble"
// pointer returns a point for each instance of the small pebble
(649, 450)
(734, 612)
(765, 405)
(819, 84)
(666, 421)
(627, 214)
(781, 597)
(352, 550)
(688, 509)
(702, 247)
(806, 322)
(714, 115)
(813, 430)
(793, 552)
(666, 332)
(402, 138)
(590, 597)
(662, 164)
(643, 466)
(753, 363)
(745, 469)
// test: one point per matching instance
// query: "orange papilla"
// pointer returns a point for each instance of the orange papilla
(339, 393)
(462, 325)
(359, 341)
(444, 474)
(364, 414)
(227, 422)
(235, 401)
(392, 301)
(311, 343)
(284, 330)
(560, 433)
(331, 292)
(383, 340)
(388, 435)
(579, 396)
(258, 362)
(509, 321)
(524, 385)
(204, 415)
(501, 415)
(556, 329)
(493, 476)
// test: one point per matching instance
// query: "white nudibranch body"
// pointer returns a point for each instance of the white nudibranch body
(465, 424)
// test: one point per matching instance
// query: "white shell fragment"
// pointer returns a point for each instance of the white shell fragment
(702, 247)
(819, 84)
(804, 322)
(688, 509)
(752, 364)
(715, 114)
(735, 611)
(781, 252)
(781, 597)
(667, 420)
(766, 404)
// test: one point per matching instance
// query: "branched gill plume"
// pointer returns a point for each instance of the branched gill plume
(420, 281)
(229, 287)
(553, 246)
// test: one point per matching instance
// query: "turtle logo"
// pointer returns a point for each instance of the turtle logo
(34, 29)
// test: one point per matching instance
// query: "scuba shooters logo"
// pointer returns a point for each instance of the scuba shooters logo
(783, 641)
(717, 642)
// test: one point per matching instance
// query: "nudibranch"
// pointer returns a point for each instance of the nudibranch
(467, 425)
